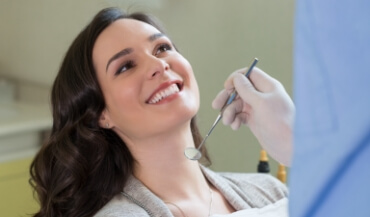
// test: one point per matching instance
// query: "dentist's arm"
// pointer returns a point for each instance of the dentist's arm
(265, 107)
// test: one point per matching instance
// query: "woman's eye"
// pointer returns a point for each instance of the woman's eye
(163, 48)
(126, 66)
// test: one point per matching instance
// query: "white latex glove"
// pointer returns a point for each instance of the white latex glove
(264, 106)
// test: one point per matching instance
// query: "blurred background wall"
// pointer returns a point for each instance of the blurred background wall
(216, 36)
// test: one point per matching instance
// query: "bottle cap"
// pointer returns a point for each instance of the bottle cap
(263, 156)
(281, 174)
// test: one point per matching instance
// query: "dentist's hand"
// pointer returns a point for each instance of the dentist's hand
(264, 106)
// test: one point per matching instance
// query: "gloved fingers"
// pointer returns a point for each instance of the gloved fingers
(245, 89)
(242, 119)
(220, 99)
(262, 81)
(251, 91)
(239, 119)
(229, 83)
(231, 111)
(244, 86)
(236, 124)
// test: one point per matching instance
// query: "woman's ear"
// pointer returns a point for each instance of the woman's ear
(104, 120)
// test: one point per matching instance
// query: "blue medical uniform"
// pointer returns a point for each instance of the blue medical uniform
(330, 173)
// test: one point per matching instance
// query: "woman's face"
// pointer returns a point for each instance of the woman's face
(148, 87)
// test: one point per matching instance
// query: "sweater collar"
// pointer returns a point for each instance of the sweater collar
(138, 193)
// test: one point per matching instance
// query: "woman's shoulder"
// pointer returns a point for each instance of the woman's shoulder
(257, 180)
(120, 206)
(248, 190)
(263, 186)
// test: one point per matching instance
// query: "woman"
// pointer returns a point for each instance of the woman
(124, 105)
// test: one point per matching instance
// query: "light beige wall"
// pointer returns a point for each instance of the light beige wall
(217, 37)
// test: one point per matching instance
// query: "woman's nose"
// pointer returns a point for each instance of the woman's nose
(158, 66)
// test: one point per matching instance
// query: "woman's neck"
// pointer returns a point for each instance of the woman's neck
(162, 167)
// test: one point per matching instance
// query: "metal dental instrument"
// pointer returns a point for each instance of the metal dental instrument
(194, 153)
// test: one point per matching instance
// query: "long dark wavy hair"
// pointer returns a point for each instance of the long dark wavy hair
(82, 165)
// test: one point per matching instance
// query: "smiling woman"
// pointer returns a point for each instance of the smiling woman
(143, 68)
(124, 106)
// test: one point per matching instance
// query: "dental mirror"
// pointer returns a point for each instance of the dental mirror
(194, 153)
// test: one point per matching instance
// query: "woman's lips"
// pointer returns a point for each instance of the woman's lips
(163, 91)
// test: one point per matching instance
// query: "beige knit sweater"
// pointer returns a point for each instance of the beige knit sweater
(242, 191)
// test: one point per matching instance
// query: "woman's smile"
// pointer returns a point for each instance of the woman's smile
(165, 92)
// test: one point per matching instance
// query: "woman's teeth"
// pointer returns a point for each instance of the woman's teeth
(172, 89)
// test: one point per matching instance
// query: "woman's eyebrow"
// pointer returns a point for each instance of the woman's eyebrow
(155, 36)
(118, 55)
